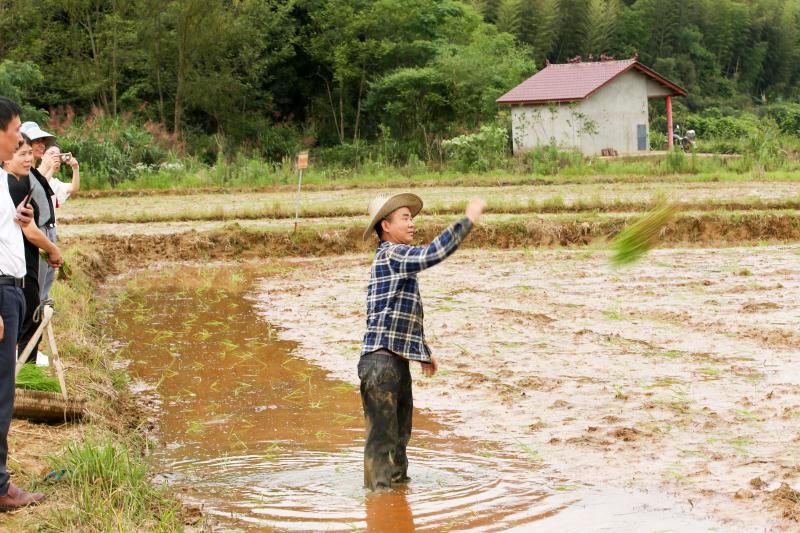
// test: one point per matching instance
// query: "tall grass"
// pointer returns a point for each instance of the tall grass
(109, 491)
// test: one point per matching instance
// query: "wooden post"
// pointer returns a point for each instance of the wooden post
(302, 164)
(669, 122)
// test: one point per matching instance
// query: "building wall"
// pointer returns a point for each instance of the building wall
(607, 119)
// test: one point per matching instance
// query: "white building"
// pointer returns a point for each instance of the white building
(595, 108)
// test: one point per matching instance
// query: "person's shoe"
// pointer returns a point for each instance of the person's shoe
(17, 498)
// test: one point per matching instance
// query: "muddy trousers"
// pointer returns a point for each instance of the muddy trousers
(386, 397)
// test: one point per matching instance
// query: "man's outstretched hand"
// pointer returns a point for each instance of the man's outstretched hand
(475, 209)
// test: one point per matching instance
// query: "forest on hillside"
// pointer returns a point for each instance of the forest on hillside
(206, 77)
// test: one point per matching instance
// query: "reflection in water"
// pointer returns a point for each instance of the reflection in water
(266, 442)
(391, 507)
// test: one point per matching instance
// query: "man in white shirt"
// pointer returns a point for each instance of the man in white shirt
(12, 302)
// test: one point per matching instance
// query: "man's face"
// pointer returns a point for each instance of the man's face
(10, 139)
(398, 227)
(39, 147)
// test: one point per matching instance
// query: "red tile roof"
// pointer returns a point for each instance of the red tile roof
(569, 82)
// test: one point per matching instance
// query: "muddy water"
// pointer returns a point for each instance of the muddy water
(267, 442)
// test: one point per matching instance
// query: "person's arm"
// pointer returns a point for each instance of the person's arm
(76, 176)
(40, 240)
(47, 167)
(405, 259)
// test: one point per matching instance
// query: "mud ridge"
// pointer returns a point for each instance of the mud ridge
(235, 241)
(519, 209)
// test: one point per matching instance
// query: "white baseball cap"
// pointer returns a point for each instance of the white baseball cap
(32, 131)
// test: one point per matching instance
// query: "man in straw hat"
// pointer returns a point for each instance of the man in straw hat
(395, 332)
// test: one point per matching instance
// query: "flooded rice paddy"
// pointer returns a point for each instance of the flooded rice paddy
(266, 441)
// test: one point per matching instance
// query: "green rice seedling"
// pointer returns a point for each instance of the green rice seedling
(533, 455)
(343, 419)
(239, 441)
(163, 335)
(639, 238)
(565, 488)
(271, 451)
(195, 427)
(344, 387)
(741, 445)
(244, 356)
(292, 395)
(229, 345)
(33, 377)
(744, 413)
(64, 271)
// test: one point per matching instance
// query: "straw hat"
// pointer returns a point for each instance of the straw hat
(384, 203)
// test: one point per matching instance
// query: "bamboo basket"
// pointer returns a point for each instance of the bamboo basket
(42, 406)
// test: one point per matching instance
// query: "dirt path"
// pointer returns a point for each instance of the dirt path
(678, 376)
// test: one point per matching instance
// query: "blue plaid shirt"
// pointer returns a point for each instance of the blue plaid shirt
(394, 306)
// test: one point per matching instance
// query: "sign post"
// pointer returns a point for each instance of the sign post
(302, 164)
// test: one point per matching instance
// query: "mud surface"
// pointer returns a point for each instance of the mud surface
(678, 377)
(267, 441)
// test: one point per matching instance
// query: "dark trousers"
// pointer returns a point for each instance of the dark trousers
(12, 309)
(29, 327)
(388, 404)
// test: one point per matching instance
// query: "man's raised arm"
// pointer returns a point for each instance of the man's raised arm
(405, 259)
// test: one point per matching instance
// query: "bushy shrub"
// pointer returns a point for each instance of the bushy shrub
(277, 141)
(349, 155)
(785, 115)
(657, 140)
(676, 161)
(112, 149)
(550, 160)
(723, 127)
(763, 150)
(481, 151)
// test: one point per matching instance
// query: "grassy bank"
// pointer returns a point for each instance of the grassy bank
(190, 184)
(105, 485)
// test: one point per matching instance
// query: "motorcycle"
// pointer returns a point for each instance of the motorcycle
(686, 142)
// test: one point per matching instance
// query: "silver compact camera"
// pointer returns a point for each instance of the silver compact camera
(65, 157)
